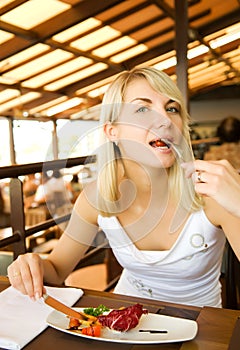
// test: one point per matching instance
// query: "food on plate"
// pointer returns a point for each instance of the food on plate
(85, 321)
(121, 320)
(124, 319)
(96, 311)
(92, 331)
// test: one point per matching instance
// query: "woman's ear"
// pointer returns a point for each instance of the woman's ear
(110, 131)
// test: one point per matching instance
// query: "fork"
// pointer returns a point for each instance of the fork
(175, 149)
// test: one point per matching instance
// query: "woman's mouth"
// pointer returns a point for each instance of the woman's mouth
(158, 143)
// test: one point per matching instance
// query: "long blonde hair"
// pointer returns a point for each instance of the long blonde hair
(109, 156)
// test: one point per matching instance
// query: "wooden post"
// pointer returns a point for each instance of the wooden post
(55, 140)
(11, 142)
(17, 216)
(181, 42)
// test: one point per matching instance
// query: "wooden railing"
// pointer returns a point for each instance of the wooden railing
(19, 231)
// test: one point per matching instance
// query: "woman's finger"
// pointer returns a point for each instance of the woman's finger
(26, 275)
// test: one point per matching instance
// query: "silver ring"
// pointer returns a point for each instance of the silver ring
(199, 173)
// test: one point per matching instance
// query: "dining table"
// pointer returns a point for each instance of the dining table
(218, 328)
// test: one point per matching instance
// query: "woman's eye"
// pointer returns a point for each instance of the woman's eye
(142, 109)
(172, 109)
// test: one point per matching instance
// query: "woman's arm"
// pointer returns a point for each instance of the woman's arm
(28, 271)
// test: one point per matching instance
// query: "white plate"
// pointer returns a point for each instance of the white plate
(178, 329)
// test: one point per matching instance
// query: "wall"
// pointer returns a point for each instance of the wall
(207, 114)
(214, 110)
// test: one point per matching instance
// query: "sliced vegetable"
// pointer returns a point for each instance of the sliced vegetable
(92, 331)
(74, 323)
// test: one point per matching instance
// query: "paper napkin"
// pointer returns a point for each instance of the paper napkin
(22, 319)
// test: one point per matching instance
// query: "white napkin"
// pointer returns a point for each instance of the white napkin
(22, 319)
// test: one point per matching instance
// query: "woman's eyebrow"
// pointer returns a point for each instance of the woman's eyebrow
(148, 100)
(170, 101)
(144, 99)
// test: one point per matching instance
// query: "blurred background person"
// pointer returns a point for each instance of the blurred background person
(229, 130)
(229, 142)
(53, 193)
(75, 187)
(4, 216)
(30, 185)
(40, 196)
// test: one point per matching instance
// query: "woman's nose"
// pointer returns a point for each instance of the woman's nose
(161, 119)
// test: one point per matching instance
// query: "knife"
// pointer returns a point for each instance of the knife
(57, 305)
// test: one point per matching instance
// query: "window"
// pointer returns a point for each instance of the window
(33, 140)
(77, 138)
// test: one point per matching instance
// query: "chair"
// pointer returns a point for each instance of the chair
(34, 216)
(100, 272)
(89, 277)
(42, 241)
(6, 258)
(231, 278)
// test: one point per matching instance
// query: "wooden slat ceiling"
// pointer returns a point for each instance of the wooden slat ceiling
(63, 53)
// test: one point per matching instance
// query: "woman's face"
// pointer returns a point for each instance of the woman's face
(146, 117)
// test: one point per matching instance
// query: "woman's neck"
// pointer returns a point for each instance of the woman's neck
(146, 179)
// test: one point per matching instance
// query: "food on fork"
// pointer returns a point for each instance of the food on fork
(158, 143)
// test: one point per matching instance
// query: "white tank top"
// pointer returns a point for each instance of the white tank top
(188, 273)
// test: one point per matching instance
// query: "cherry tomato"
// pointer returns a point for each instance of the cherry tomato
(160, 143)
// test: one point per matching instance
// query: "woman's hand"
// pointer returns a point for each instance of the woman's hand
(26, 275)
(218, 180)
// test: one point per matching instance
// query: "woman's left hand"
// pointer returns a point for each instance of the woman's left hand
(218, 180)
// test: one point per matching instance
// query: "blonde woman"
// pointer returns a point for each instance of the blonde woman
(168, 237)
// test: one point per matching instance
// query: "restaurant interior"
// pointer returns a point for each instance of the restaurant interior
(57, 59)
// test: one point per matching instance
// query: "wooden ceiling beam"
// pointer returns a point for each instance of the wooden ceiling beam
(76, 14)
(53, 26)
(19, 32)
(11, 6)
(218, 24)
(71, 89)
